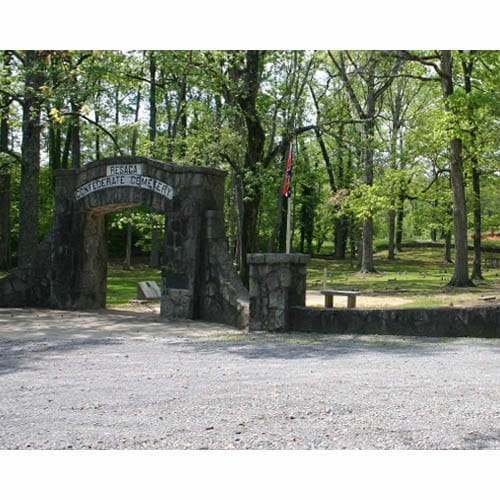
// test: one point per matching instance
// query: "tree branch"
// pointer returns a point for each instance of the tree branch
(352, 95)
(98, 125)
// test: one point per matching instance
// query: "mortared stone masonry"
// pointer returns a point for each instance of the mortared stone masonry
(68, 271)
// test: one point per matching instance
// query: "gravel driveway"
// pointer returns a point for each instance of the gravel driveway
(119, 379)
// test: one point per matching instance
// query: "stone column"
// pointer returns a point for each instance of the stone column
(180, 283)
(277, 282)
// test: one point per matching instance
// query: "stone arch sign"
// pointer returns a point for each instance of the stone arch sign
(68, 270)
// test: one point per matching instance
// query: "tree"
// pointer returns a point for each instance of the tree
(442, 63)
(479, 110)
(461, 275)
(5, 162)
(34, 78)
(375, 76)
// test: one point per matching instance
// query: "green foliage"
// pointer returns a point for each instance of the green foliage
(201, 119)
(142, 221)
(364, 201)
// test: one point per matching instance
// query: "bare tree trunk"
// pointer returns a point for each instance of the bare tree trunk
(392, 234)
(447, 248)
(5, 257)
(253, 157)
(399, 225)
(476, 180)
(233, 217)
(279, 222)
(340, 228)
(97, 137)
(152, 102)
(75, 137)
(154, 258)
(476, 265)
(128, 245)
(67, 148)
(461, 274)
(367, 264)
(135, 133)
(30, 168)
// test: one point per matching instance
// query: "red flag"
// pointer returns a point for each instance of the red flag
(287, 187)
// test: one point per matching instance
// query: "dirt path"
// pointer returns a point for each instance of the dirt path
(315, 299)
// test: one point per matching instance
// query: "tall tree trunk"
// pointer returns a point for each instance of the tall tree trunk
(253, 157)
(30, 168)
(154, 258)
(476, 179)
(5, 257)
(66, 149)
(233, 217)
(306, 219)
(396, 125)
(135, 132)
(277, 233)
(447, 248)
(152, 102)
(476, 265)
(75, 137)
(367, 264)
(340, 228)
(55, 143)
(128, 245)
(97, 137)
(400, 215)
(391, 255)
(461, 274)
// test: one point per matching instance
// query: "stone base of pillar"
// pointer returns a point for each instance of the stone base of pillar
(176, 304)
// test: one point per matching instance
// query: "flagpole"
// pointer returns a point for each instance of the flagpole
(288, 224)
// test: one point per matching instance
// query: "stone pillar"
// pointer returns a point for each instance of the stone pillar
(180, 282)
(277, 282)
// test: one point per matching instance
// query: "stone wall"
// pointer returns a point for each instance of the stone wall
(481, 321)
(29, 286)
(69, 269)
(223, 298)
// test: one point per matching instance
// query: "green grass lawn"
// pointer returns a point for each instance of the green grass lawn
(418, 274)
(122, 284)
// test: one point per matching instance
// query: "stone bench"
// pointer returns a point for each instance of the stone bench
(491, 262)
(351, 297)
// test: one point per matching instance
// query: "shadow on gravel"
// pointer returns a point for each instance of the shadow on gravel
(19, 354)
(329, 347)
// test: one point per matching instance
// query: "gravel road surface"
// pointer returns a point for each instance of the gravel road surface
(124, 380)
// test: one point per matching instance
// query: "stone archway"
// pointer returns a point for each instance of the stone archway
(69, 269)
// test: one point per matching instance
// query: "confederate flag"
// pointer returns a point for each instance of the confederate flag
(287, 188)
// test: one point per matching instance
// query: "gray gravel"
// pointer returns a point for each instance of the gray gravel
(119, 379)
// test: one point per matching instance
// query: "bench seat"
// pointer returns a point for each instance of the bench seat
(350, 294)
